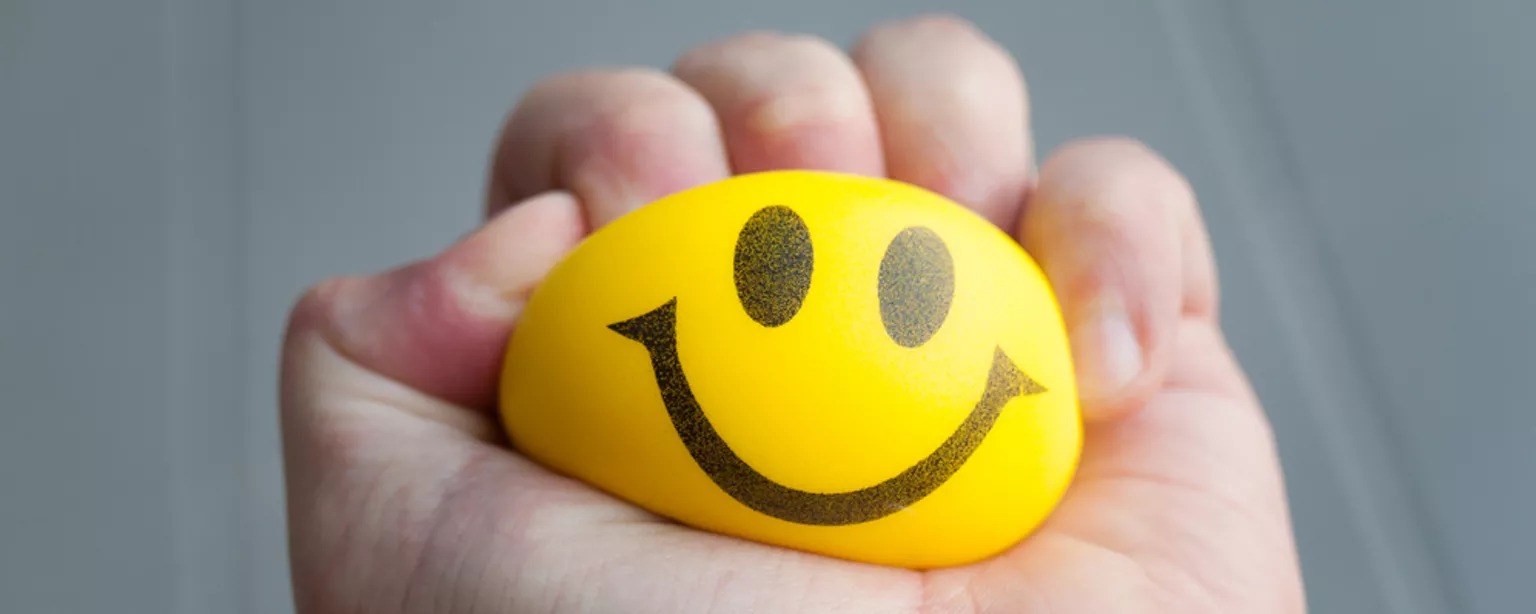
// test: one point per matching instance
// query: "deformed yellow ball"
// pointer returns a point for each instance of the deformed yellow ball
(849, 366)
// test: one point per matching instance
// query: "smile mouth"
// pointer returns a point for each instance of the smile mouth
(657, 331)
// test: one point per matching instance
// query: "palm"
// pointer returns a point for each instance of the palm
(1178, 507)
(404, 498)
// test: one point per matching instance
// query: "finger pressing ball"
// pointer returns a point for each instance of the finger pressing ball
(844, 365)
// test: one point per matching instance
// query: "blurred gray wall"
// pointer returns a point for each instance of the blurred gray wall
(173, 173)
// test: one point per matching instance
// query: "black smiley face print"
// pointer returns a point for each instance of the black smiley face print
(774, 259)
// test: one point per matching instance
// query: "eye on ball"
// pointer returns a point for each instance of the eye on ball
(849, 366)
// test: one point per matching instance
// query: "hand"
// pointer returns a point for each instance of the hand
(404, 498)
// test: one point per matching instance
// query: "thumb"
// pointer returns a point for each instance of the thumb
(439, 326)
(386, 383)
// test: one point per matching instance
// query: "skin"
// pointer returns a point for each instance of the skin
(403, 496)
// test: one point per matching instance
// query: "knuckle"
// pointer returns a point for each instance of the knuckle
(618, 137)
(745, 60)
(706, 58)
(1118, 148)
(811, 48)
(767, 84)
(1124, 170)
(929, 32)
(608, 95)
(959, 70)
(645, 102)
(612, 113)
(940, 24)
(817, 105)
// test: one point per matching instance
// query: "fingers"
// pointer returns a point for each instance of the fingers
(930, 101)
(440, 326)
(1118, 232)
(786, 102)
(952, 112)
(615, 139)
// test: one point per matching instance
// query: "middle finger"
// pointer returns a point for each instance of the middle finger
(786, 102)
(953, 113)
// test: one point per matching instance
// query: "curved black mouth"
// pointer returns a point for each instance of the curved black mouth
(657, 331)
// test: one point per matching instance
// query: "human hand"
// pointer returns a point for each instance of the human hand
(403, 496)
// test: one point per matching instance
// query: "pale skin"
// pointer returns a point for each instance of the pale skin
(403, 495)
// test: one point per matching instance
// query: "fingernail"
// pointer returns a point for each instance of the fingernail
(478, 298)
(489, 273)
(480, 278)
(1106, 349)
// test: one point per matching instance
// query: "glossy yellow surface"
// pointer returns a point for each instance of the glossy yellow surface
(825, 402)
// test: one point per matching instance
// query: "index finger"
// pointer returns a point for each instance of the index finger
(616, 139)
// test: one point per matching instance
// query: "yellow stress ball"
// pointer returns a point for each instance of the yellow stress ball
(843, 365)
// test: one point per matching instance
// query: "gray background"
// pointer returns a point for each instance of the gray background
(173, 173)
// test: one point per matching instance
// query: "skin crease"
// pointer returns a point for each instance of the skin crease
(402, 496)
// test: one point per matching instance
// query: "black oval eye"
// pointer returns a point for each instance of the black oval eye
(917, 283)
(773, 265)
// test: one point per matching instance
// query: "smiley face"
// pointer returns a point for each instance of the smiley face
(774, 261)
(848, 366)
